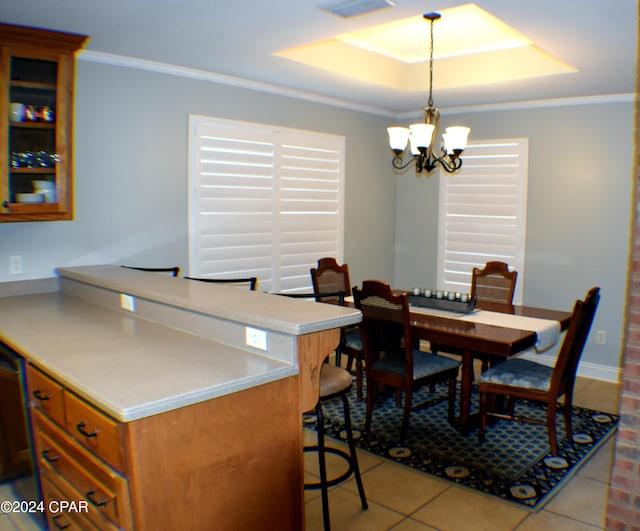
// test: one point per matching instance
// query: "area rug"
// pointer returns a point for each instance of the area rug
(514, 463)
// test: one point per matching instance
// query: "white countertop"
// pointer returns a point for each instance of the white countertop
(263, 310)
(132, 367)
(129, 367)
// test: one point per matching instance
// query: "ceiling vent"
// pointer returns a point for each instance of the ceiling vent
(353, 8)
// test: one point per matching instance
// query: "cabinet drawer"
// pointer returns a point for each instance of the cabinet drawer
(46, 394)
(65, 461)
(103, 435)
(70, 521)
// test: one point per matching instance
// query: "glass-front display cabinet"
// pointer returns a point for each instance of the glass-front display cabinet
(37, 73)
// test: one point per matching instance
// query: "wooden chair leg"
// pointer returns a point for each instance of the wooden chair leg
(568, 405)
(359, 378)
(482, 430)
(551, 427)
(372, 390)
(405, 415)
(452, 400)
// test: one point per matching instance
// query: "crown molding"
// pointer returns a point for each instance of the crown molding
(202, 75)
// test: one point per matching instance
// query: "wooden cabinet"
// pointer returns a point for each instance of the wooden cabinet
(36, 116)
(232, 462)
(78, 456)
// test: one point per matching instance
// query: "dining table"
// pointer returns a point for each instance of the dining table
(470, 339)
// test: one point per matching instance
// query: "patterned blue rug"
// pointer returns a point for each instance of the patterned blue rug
(514, 463)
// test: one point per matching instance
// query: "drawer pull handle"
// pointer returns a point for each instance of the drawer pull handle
(59, 526)
(38, 394)
(89, 497)
(80, 428)
(47, 458)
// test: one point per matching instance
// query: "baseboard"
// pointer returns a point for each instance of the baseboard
(586, 369)
(29, 287)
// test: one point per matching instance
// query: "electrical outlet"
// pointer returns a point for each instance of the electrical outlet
(127, 302)
(15, 265)
(601, 337)
(256, 338)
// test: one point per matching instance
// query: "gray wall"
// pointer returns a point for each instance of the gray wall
(131, 189)
(578, 212)
(131, 173)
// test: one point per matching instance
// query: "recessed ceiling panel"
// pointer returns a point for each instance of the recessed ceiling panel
(471, 47)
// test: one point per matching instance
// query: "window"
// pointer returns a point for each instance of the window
(264, 201)
(483, 211)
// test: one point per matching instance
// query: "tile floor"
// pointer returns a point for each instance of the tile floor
(406, 500)
(401, 499)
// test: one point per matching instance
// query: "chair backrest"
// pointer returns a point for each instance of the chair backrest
(575, 339)
(175, 270)
(492, 287)
(252, 282)
(385, 325)
(330, 277)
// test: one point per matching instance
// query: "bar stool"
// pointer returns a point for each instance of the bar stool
(334, 382)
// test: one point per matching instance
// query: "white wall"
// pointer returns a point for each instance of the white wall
(579, 211)
(131, 173)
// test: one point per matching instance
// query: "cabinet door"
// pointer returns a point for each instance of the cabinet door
(36, 114)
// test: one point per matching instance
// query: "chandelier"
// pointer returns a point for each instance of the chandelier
(420, 137)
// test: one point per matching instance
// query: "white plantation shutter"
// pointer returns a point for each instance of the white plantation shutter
(483, 211)
(264, 201)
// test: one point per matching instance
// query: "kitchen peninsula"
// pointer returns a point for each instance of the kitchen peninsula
(148, 404)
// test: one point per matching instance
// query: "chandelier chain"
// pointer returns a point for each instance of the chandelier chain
(430, 100)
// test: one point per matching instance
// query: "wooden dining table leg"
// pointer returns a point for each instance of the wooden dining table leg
(466, 378)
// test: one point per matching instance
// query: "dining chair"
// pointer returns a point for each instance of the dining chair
(493, 286)
(252, 282)
(519, 378)
(175, 271)
(391, 356)
(334, 382)
(329, 276)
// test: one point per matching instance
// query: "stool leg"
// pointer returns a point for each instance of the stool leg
(352, 451)
(323, 469)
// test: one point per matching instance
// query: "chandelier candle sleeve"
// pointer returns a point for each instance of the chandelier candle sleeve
(419, 138)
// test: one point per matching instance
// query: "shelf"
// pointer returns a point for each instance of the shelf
(33, 125)
(34, 171)
(33, 208)
(33, 85)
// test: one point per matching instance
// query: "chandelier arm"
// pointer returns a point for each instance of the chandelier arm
(397, 162)
(450, 164)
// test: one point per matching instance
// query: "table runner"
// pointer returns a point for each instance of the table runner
(547, 331)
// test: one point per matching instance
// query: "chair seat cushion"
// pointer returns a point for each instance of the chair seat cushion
(333, 380)
(521, 373)
(424, 364)
(352, 339)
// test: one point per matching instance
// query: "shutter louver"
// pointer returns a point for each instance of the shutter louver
(483, 213)
(266, 202)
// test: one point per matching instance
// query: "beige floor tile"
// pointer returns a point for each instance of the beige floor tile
(583, 499)
(412, 525)
(6, 524)
(461, 509)
(399, 488)
(546, 520)
(347, 514)
(599, 466)
(24, 522)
